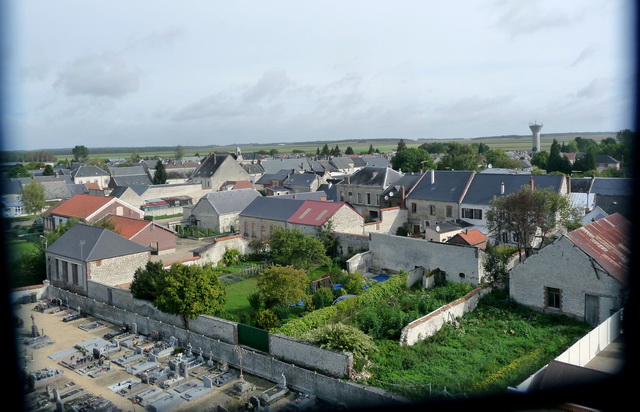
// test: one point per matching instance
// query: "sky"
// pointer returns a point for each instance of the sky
(196, 73)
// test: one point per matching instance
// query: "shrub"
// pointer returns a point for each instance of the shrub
(323, 297)
(343, 338)
(230, 257)
(266, 319)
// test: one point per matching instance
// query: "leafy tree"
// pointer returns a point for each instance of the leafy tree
(483, 148)
(318, 152)
(282, 285)
(19, 170)
(80, 153)
(370, 151)
(179, 153)
(401, 145)
(412, 160)
(190, 291)
(540, 159)
(329, 239)
(460, 157)
(146, 281)
(323, 297)
(273, 152)
(267, 319)
(557, 161)
(495, 265)
(345, 338)
(499, 158)
(255, 301)
(230, 257)
(436, 147)
(587, 162)
(48, 171)
(33, 197)
(292, 247)
(349, 150)
(336, 151)
(134, 157)
(326, 151)
(160, 176)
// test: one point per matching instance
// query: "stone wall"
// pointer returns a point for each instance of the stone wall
(214, 252)
(563, 266)
(349, 244)
(118, 270)
(431, 323)
(304, 354)
(463, 264)
(360, 262)
(390, 220)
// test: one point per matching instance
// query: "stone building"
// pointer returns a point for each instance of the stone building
(218, 211)
(85, 254)
(583, 274)
(216, 169)
(363, 190)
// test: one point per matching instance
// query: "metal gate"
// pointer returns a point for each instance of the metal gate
(253, 337)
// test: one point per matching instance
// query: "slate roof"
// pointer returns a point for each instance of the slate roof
(275, 165)
(608, 242)
(315, 213)
(56, 190)
(342, 162)
(581, 184)
(606, 159)
(80, 206)
(253, 168)
(376, 161)
(11, 187)
(613, 186)
(301, 179)
(268, 177)
(98, 243)
(484, 187)
(407, 181)
(129, 180)
(317, 195)
(272, 207)
(127, 171)
(87, 171)
(447, 186)
(75, 189)
(374, 176)
(210, 164)
(230, 201)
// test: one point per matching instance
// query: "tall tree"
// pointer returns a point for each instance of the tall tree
(179, 153)
(282, 285)
(80, 153)
(460, 157)
(412, 160)
(401, 145)
(499, 158)
(349, 150)
(370, 151)
(190, 291)
(326, 151)
(48, 171)
(557, 161)
(19, 170)
(160, 175)
(292, 247)
(146, 281)
(33, 197)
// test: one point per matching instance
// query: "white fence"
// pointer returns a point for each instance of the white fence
(586, 348)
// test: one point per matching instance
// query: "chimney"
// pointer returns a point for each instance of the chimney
(433, 176)
(502, 188)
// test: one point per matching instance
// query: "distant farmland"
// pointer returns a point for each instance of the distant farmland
(523, 142)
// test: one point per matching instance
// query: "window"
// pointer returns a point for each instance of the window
(377, 200)
(432, 210)
(368, 198)
(74, 274)
(553, 298)
(414, 207)
(254, 232)
(472, 213)
(341, 196)
(246, 229)
(449, 211)
(359, 198)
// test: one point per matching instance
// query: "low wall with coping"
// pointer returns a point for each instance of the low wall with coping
(359, 262)
(431, 323)
(219, 338)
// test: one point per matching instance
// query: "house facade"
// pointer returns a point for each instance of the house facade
(218, 211)
(363, 190)
(583, 274)
(158, 239)
(436, 198)
(88, 253)
(89, 209)
(216, 169)
(91, 174)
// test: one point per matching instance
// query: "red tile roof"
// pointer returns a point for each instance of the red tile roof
(80, 206)
(608, 242)
(315, 212)
(128, 227)
(473, 236)
(92, 186)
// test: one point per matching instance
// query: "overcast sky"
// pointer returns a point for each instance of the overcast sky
(147, 73)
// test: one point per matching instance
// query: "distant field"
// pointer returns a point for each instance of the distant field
(358, 145)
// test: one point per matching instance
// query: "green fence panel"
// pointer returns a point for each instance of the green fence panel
(253, 337)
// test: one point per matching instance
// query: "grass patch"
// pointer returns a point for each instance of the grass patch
(237, 294)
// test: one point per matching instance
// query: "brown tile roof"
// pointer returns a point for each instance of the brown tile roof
(80, 206)
(473, 236)
(128, 227)
(608, 242)
(92, 186)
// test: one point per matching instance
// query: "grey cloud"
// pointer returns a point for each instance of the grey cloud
(474, 105)
(105, 75)
(596, 88)
(272, 84)
(526, 17)
(584, 55)
(155, 39)
(218, 105)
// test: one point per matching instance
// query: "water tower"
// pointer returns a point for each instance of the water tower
(535, 129)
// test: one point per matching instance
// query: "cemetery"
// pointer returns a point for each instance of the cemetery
(114, 368)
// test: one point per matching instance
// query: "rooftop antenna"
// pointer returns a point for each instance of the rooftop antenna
(535, 130)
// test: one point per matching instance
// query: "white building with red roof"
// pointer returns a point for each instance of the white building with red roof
(583, 274)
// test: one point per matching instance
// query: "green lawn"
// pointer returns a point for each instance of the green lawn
(17, 247)
(237, 293)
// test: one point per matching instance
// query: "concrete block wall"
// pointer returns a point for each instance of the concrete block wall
(431, 323)
(462, 264)
(360, 262)
(302, 353)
